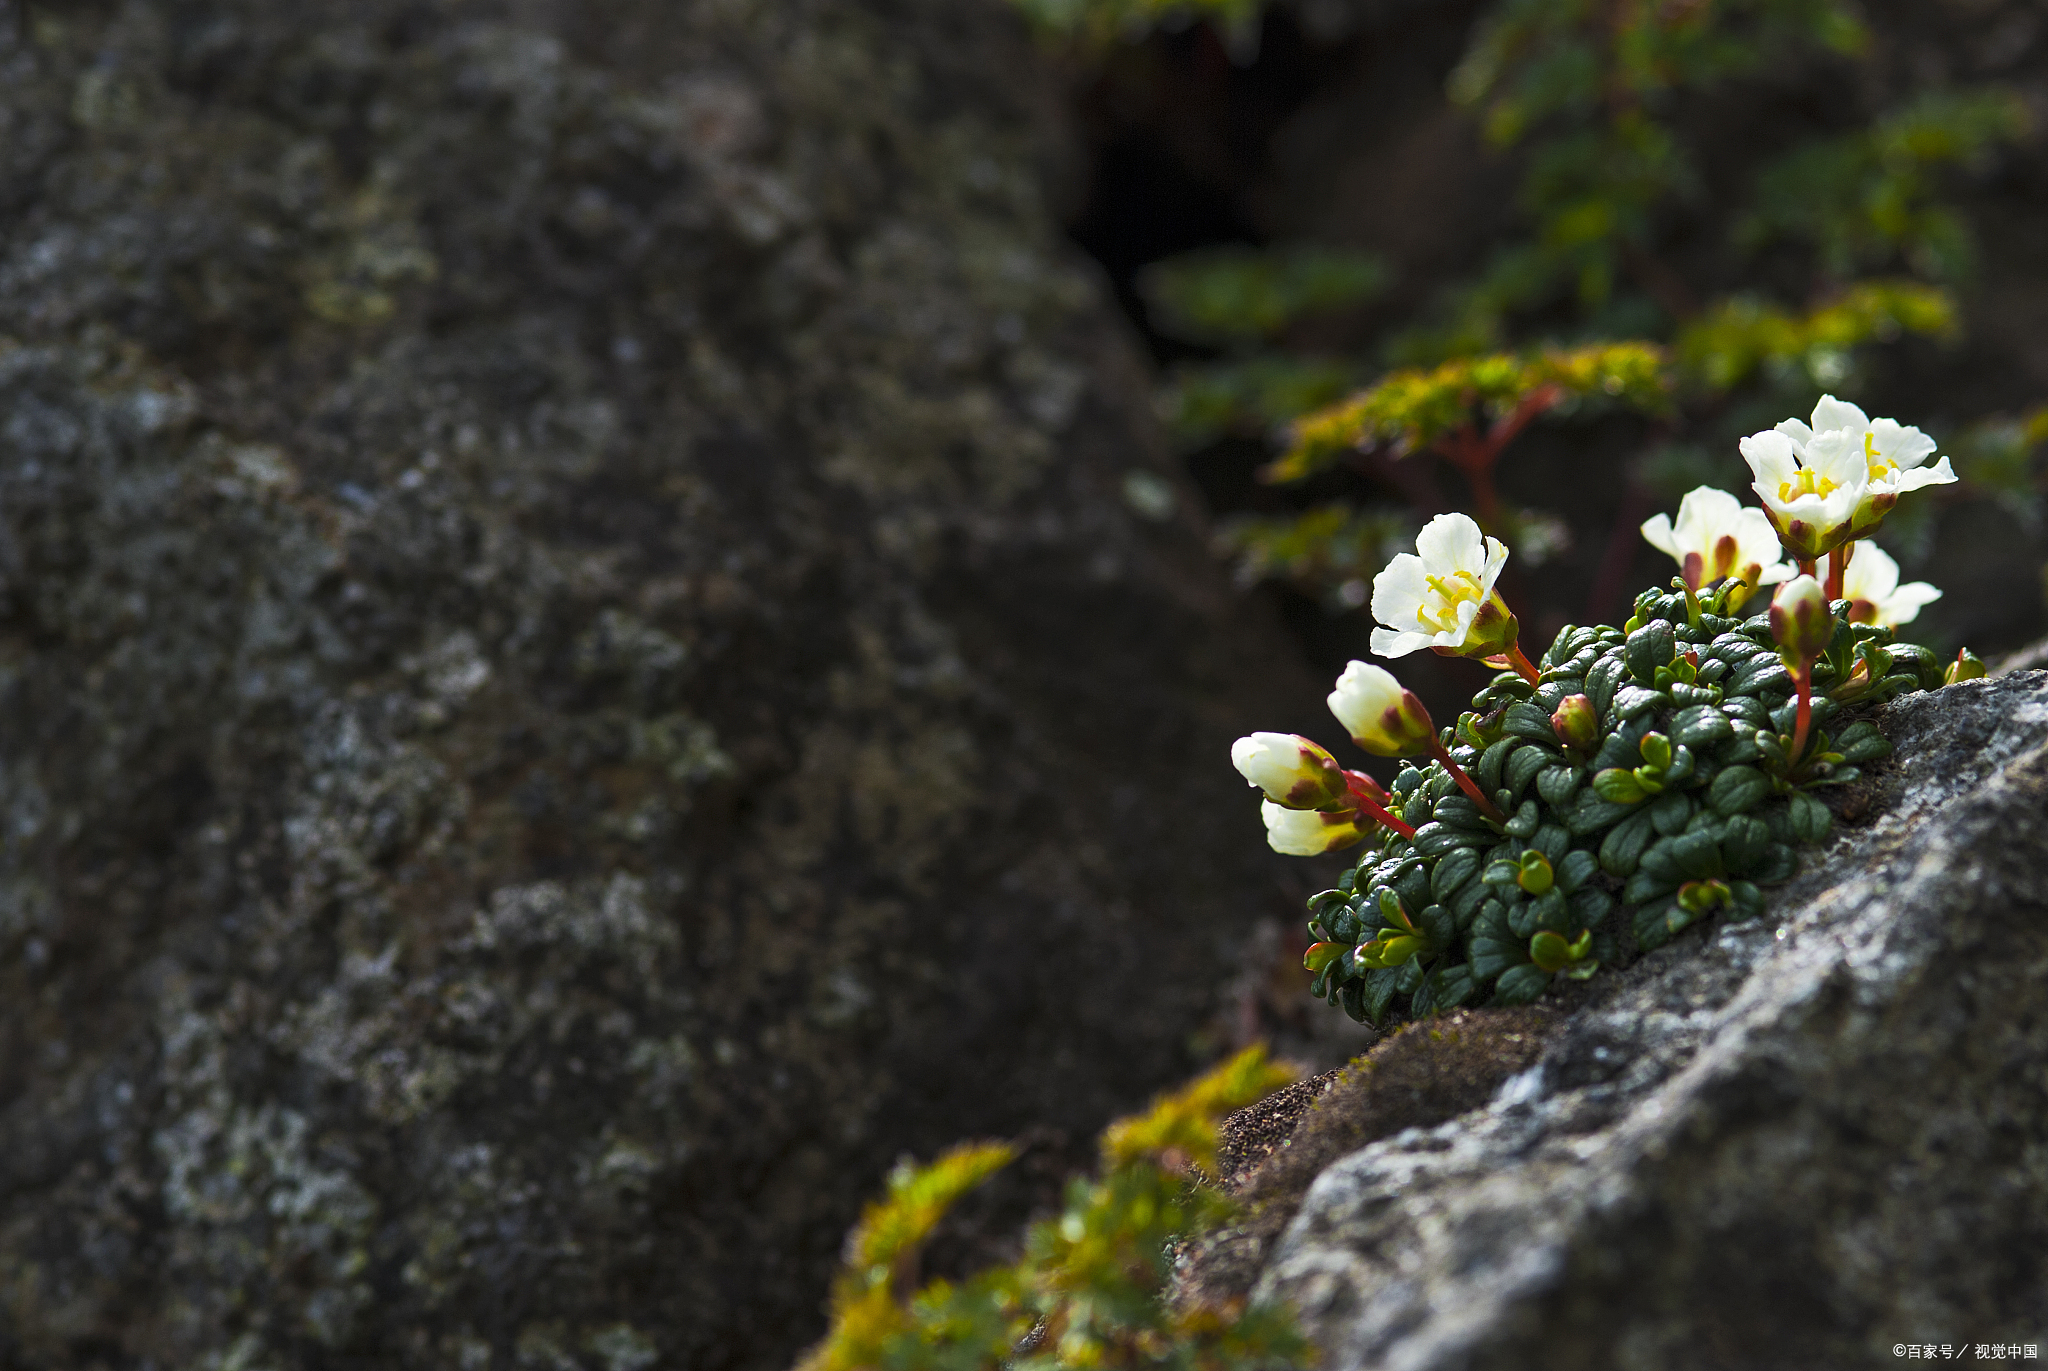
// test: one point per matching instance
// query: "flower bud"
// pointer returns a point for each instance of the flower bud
(1362, 784)
(1576, 722)
(1967, 666)
(1380, 715)
(1309, 832)
(1800, 622)
(1292, 770)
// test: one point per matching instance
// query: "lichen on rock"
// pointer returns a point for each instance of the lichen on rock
(543, 555)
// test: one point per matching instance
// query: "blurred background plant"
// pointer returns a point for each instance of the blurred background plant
(1573, 261)
(1089, 1285)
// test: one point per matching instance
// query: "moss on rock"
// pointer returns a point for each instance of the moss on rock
(577, 675)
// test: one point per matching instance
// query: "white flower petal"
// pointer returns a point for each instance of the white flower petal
(1903, 605)
(1796, 430)
(1387, 643)
(1831, 413)
(1871, 574)
(1657, 533)
(1756, 541)
(1900, 444)
(1496, 558)
(1398, 591)
(1453, 542)
(1914, 478)
(1771, 459)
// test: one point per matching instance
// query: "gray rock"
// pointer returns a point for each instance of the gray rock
(1791, 1143)
(581, 670)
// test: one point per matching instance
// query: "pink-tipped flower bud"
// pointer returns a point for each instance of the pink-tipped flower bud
(1576, 722)
(1800, 622)
(1310, 833)
(1362, 784)
(1381, 715)
(1292, 770)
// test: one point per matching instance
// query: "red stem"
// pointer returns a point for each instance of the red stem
(1468, 785)
(1371, 806)
(1802, 718)
(1806, 567)
(1523, 666)
(1838, 568)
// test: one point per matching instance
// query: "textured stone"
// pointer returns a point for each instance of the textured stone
(1788, 1143)
(595, 641)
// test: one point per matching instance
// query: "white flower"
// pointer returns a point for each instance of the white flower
(1292, 770)
(1715, 538)
(1381, 715)
(1871, 585)
(1892, 454)
(1444, 597)
(1810, 489)
(1308, 832)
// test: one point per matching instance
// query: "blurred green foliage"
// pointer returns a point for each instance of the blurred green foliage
(1873, 197)
(1250, 397)
(1243, 294)
(1440, 406)
(1095, 22)
(1677, 279)
(1729, 343)
(1332, 550)
(1089, 1290)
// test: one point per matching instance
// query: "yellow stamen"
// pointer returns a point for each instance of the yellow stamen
(1805, 481)
(1451, 591)
(1880, 466)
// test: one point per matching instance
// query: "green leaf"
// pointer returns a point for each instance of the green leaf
(1603, 680)
(1656, 924)
(1492, 763)
(1451, 986)
(1744, 845)
(1651, 881)
(1739, 789)
(1452, 871)
(1669, 813)
(1529, 759)
(1810, 818)
(1442, 928)
(1531, 721)
(1701, 726)
(1861, 742)
(1632, 702)
(1649, 647)
(1521, 985)
(1379, 991)
(1624, 846)
(1619, 787)
(1576, 869)
(1589, 906)
(1526, 820)
(1696, 855)
(1778, 865)
(1557, 784)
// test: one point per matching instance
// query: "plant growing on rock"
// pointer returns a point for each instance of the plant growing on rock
(1666, 770)
(1088, 1290)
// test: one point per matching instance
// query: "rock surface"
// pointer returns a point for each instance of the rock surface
(1791, 1143)
(595, 642)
